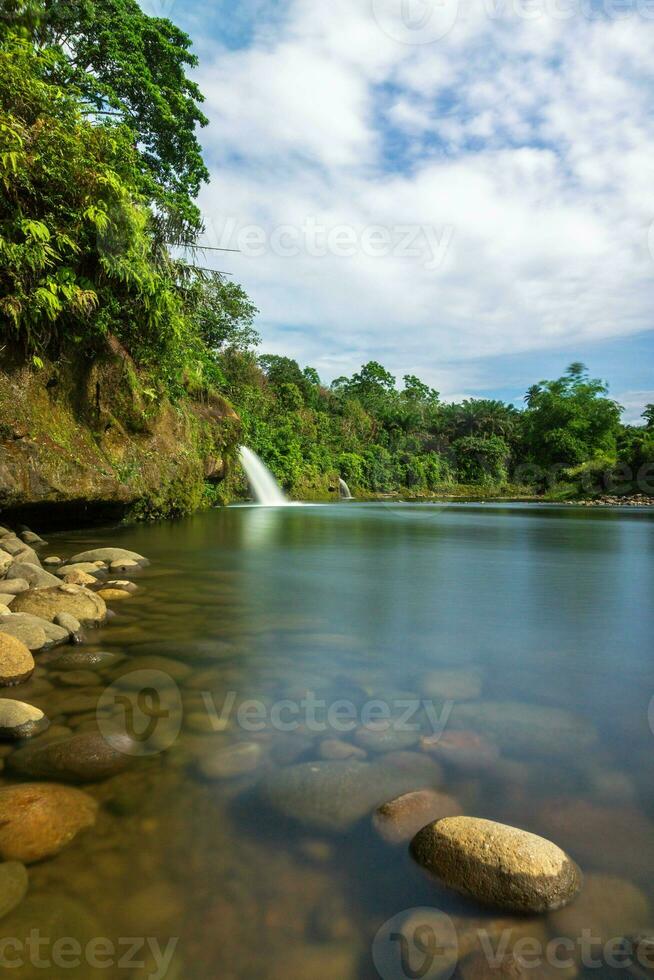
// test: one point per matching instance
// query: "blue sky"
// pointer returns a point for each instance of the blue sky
(461, 189)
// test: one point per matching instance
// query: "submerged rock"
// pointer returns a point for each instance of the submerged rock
(234, 760)
(86, 660)
(85, 606)
(38, 820)
(464, 750)
(20, 720)
(388, 739)
(16, 661)
(14, 881)
(522, 728)
(336, 748)
(400, 819)
(332, 796)
(55, 918)
(497, 865)
(607, 907)
(83, 758)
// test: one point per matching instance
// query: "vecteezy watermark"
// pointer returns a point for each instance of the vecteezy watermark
(419, 22)
(141, 712)
(426, 943)
(63, 953)
(424, 243)
(416, 943)
(416, 22)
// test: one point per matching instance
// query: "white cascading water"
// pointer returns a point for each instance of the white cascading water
(345, 490)
(262, 483)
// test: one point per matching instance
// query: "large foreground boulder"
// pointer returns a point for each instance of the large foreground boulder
(498, 865)
(87, 607)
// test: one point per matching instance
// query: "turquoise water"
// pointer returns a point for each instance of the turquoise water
(546, 609)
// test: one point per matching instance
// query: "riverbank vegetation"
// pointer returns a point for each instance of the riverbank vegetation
(100, 164)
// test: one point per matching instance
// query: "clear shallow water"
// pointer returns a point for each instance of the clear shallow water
(546, 608)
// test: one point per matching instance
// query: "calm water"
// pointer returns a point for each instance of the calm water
(548, 609)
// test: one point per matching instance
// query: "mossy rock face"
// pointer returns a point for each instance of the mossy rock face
(90, 435)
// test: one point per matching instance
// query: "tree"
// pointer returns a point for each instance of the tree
(648, 415)
(570, 420)
(481, 460)
(222, 311)
(131, 68)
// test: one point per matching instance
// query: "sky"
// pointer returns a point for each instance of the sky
(460, 189)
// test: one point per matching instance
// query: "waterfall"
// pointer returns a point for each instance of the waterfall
(262, 483)
(345, 490)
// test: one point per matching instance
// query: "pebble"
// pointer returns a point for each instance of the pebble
(124, 565)
(82, 568)
(113, 595)
(68, 622)
(121, 584)
(30, 537)
(84, 758)
(38, 820)
(497, 865)
(20, 720)
(14, 882)
(16, 661)
(77, 577)
(52, 560)
(235, 760)
(400, 819)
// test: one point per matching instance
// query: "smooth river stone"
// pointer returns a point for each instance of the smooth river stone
(84, 758)
(400, 819)
(87, 607)
(20, 720)
(522, 728)
(38, 820)
(35, 576)
(498, 865)
(16, 661)
(107, 555)
(332, 796)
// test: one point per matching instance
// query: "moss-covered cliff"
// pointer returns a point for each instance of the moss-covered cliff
(90, 439)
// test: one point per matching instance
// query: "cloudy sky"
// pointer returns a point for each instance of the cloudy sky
(463, 191)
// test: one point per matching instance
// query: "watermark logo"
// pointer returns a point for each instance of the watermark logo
(416, 22)
(141, 712)
(415, 944)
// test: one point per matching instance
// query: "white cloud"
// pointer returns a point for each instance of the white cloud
(531, 139)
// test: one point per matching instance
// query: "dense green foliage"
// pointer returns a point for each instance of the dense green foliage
(100, 165)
